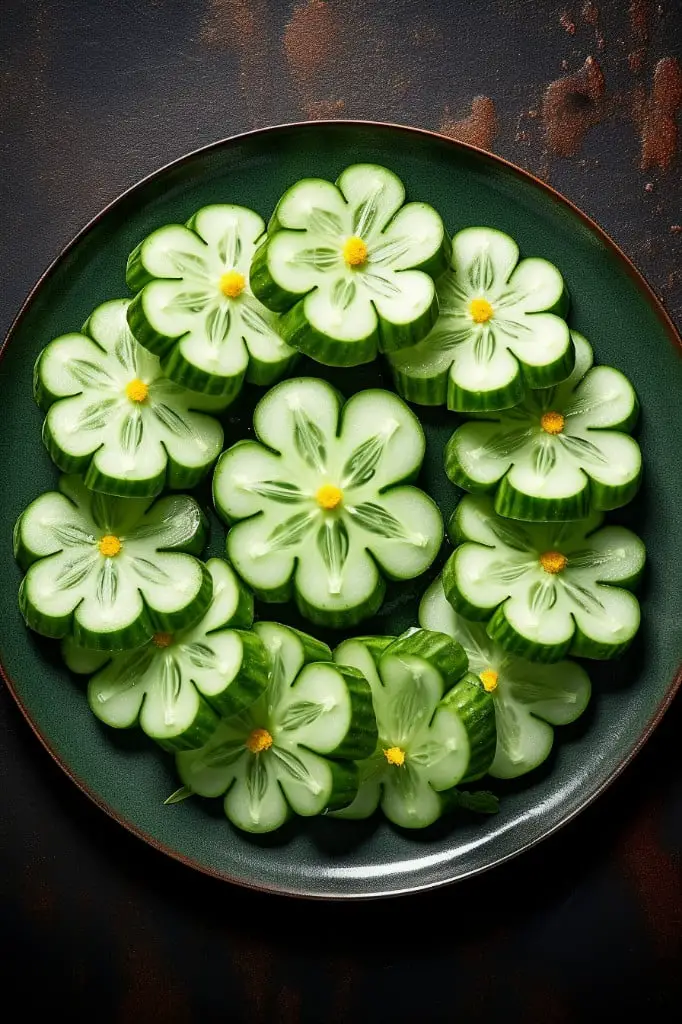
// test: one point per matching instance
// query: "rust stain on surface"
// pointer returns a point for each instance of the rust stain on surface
(312, 39)
(657, 880)
(478, 128)
(240, 26)
(571, 106)
(566, 22)
(656, 115)
(638, 16)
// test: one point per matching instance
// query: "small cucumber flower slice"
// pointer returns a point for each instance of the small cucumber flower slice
(529, 699)
(113, 417)
(545, 590)
(111, 571)
(560, 453)
(499, 332)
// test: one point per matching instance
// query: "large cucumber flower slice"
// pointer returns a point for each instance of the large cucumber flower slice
(351, 265)
(498, 332)
(560, 453)
(545, 590)
(292, 751)
(529, 699)
(195, 309)
(435, 720)
(111, 571)
(178, 684)
(113, 416)
(323, 508)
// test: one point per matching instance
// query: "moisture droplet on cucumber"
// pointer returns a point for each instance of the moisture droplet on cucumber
(500, 329)
(545, 590)
(113, 417)
(432, 734)
(194, 307)
(320, 507)
(528, 698)
(111, 572)
(350, 266)
(292, 751)
(561, 453)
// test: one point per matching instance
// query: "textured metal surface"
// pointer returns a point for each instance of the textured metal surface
(94, 96)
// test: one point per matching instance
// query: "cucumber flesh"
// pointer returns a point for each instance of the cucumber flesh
(177, 685)
(529, 699)
(291, 752)
(110, 598)
(332, 558)
(430, 734)
(342, 308)
(194, 308)
(113, 417)
(497, 334)
(561, 471)
(507, 574)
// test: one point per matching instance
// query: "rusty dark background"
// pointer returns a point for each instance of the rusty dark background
(92, 97)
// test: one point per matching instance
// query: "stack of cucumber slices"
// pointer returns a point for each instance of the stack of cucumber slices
(323, 508)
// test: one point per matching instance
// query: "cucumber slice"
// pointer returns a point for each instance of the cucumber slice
(177, 685)
(111, 571)
(351, 267)
(545, 589)
(324, 513)
(290, 753)
(560, 453)
(195, 310)
(113, 417)
(436, 726)
(500, 330)
(529, 699)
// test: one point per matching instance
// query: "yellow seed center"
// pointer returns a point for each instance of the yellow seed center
(258, 741)
(329, 497)
(162, 639)
(480, 311)
(553, 561)
(354, 251)
(109, 546)
(232, 284)
(395, 755)
(489, 679)
(552, 422)
(137, 390)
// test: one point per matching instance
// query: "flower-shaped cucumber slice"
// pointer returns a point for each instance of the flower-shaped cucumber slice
(561, 452)
(322, 508)
(178, 684)
(195, 309)
(500, 329)
(436, 725)
(529, 699)
(110, 571)
(545, 590)
(351, 265)
(293, 751)
(113, 416)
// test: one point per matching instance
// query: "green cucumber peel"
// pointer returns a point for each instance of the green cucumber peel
(560, 453)
(177, 685)
(435, 722)
(292, 752)
(500, 329)
(194, 307)
(113, 417)
(529, 699)
(545, 590)
(351, 266)
(110, 571)
(319, 503)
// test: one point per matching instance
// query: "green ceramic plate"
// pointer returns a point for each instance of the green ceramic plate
(612, 305)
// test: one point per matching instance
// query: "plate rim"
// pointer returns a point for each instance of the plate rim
(639, 281)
